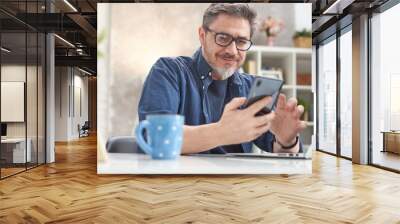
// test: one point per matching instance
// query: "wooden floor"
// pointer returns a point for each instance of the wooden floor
(70, 191)
(10, 171)
(387, 159)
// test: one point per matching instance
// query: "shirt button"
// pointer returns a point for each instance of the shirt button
(202, 77)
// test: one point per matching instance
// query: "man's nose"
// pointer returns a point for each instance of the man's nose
(231, 48)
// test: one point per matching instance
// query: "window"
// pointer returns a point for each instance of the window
(327, 96)
(385, 89)
(22, 77)
(346, 94)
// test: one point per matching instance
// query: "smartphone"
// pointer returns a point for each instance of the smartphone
(262, 87)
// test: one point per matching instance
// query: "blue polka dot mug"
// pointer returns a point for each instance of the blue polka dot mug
(164, 134)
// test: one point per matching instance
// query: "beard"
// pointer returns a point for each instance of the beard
(227, 71)
(224, 73)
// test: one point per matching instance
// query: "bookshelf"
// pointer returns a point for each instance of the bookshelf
(293, 66)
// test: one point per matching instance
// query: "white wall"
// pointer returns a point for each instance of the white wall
(15, 72)
(303, 16)
(79, 117)
(61, 103)
(69, 82)
(12, 73)
(12, 101)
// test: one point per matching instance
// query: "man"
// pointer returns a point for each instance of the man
(209, 91)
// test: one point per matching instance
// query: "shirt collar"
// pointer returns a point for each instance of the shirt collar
(204, 69)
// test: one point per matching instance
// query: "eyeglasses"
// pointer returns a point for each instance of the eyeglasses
(224, 40)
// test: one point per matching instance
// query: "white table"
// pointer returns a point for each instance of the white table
(19, 155)
(129, 163)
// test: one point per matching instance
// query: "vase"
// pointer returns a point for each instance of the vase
(270, 40)
(302, 42)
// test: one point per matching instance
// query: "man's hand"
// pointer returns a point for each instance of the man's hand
(238, 126)
(287, 124)
(235, 126)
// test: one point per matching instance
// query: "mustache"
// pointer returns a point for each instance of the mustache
(228, 56)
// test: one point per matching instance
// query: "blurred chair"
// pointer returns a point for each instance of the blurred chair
(122, 144)
(84, 130)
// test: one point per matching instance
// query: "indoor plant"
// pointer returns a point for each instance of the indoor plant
(306, 106)
(302, 39)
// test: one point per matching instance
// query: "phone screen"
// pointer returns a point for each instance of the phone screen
(262, 87)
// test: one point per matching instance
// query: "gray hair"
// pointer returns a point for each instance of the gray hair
(233, 9)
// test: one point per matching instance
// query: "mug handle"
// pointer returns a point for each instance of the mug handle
(139, 137)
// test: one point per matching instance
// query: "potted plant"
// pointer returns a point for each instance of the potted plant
(302, 39)
(272, 27)
(306, 105)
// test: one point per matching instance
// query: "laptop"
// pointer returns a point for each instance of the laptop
(272, 155)
(307, 154)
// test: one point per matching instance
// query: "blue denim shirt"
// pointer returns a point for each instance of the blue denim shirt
(179, 86)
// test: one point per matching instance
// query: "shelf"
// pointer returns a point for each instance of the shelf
(308, 88)
(281, 50)
(303, 87)
(272, 74)
(288, 87)
(268, 61)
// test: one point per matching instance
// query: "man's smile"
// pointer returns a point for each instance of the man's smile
(227, 59)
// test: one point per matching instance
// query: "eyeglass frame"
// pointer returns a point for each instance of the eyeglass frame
(233, 39)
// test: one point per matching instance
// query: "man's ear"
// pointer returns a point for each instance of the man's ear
(202, 35)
